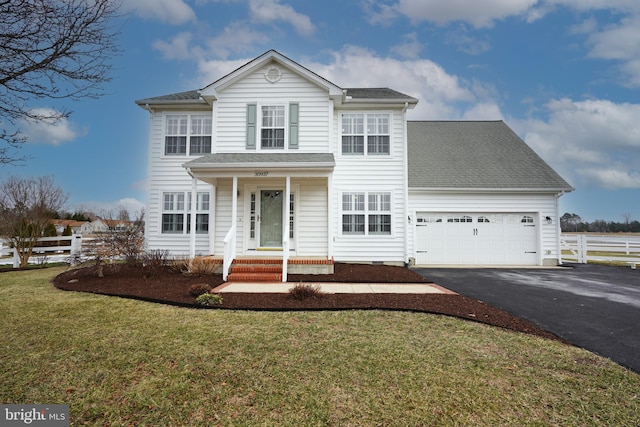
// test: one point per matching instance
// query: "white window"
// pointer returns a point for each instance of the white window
(376, 133)
(176, 134)
(200, 138)
(462, 218)
(370, 218)
(175, 212)
(272, 129)
(187, 134)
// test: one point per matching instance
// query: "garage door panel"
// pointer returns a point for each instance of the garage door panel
(469, 238)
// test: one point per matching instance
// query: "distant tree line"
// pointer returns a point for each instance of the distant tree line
(572, 223)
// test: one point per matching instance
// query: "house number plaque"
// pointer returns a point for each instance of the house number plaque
(262, 173)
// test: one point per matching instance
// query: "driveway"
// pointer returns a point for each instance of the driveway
(594, 307)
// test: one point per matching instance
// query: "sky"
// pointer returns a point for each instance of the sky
(563, 74)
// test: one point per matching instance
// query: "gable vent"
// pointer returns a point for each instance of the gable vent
(273, 74)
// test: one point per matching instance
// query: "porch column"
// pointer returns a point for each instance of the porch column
(286, 228)
(192, 216)
(330, 218)
(212, 218)
(234, 205)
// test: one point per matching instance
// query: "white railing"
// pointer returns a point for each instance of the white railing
(42, 254)
(585, 247)
(285, 258)
(229, 252)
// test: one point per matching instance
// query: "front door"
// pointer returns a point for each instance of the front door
(270, 218)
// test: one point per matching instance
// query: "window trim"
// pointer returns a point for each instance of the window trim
(367, 213)
(366, 115)
(188, 134)
(183, 199)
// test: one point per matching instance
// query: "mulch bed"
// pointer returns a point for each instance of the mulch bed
(163, 285)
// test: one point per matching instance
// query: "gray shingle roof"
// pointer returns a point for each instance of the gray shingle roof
(307, 160)
(188, 96)
(475, 155)
(380, 93)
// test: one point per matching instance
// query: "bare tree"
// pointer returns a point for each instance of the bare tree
(51, 49)
(26, 206)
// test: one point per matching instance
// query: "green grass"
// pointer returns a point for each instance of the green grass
(125, 362)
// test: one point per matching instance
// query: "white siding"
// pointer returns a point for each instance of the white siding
(371, 173)
(542, 204)
(311, 218)
(230, 111)
(166, 174)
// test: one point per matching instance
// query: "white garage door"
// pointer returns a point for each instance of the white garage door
(476, 238)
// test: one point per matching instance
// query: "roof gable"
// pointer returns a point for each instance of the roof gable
(263, 60)
(475, 155)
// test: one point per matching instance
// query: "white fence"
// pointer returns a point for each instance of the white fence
(582, 248)
(66, 249)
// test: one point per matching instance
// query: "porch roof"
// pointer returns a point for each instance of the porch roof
(229, 161)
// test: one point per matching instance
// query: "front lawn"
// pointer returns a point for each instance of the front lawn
(125, 362)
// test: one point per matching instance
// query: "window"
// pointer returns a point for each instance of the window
(272, 130)
(176, 135)
(353, 134)
(376, 133)
(200, 140)
(372, 217)
(379, 213)
(175, 212)
(463, 218)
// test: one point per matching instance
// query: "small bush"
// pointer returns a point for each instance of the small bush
(209, 300)
(204, 265)
(303, 291)
(198, 265)
(154, 260)
(198, 289)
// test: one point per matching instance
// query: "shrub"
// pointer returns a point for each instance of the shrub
(209, 300)
(155, 259)
(198, 265)
(198, 289)
(303, 291)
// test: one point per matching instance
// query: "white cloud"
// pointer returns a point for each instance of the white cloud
(466, 43)
(410, 48)
(438, 92)
(49, 127)
(591, 143)
(618, 41)
(483, 111)
(178, 48)
(479, 13)
(236, 38)
(267, 11)
(173, 12)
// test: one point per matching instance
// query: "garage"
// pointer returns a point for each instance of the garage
(476, 238)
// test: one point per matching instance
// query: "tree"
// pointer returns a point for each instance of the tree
(569, 222)
(50, 49)
(26, 206)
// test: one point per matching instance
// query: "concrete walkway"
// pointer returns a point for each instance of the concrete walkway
(336, 288)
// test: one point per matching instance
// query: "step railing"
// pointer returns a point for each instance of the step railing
(229, 252)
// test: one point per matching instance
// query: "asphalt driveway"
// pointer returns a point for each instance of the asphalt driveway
(594, 307)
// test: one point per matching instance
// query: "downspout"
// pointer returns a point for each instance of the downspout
(192, 215)
(405, 168)
(558, 228)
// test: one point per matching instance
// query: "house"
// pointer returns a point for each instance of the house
(101, 225)
(77, 227)
(273, 160)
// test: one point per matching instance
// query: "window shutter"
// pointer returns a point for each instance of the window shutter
(251, 127)
(293, 125)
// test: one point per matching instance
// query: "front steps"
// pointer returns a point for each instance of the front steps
(270, 269)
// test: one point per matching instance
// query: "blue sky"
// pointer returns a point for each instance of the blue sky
(564, 74)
